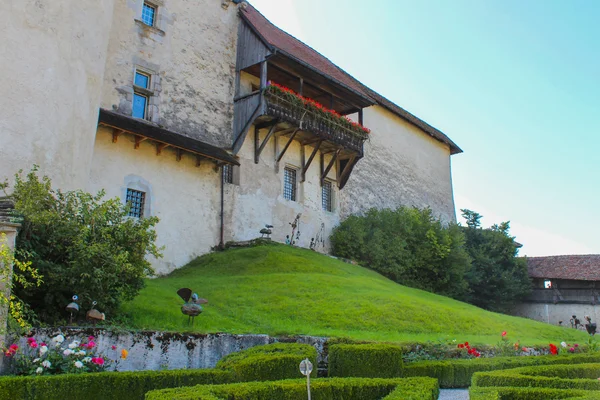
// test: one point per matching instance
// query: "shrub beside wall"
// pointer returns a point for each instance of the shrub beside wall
(334, 388)
(365, 360)
(530, 394)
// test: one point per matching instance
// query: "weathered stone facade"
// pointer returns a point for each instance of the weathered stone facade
(73, 58)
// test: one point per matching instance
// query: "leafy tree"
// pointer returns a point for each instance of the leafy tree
(79, 244)
(407, 245)
(497, 279)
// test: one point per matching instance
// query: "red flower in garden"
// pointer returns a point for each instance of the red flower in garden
(12, 349)
(461, 346)
(113, 347)
(90, 345)
(98, 360)
(553, 349)
(503, 333)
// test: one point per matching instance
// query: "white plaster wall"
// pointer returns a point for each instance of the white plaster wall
(258, 199)
(402, 166)
(192, 52)
(53, 56)
(552, 313)
(184, 197)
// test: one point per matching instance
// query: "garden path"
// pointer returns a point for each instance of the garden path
(454, 394)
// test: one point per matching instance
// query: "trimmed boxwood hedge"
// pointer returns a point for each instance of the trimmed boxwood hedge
(268, 363)
(324, 388)
(509, 393)
(104, 385)
(582, 376)
(375, 360)
(458, 373)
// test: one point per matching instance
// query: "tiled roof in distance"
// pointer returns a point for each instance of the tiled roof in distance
(576, 267)
(296, 49)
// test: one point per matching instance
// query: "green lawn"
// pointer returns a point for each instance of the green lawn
(281, 290)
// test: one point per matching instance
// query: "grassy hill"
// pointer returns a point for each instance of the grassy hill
(281, 290)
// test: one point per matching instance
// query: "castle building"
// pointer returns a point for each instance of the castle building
(210, 117)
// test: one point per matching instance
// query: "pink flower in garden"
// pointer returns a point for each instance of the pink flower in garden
(33, 344)
(90, 338)
(98, 360)
(90, 345)
(576, 345)
(113, 347)
(503, 333)
(43, 344)
(572, 349)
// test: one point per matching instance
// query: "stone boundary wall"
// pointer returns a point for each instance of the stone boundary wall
(151, 350)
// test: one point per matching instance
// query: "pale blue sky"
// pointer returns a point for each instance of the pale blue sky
(516, 84)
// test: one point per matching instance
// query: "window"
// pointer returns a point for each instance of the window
(228, 173)
(135, 200)
(289, 184)
(148, 14)
(327, 196)
(547, 284)
(141, 80)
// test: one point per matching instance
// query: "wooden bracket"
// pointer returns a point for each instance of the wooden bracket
(160, 147)
(178, 154)
(310, 159)
(343, 176)
(326, 171)
(198, 160)
(116, 134)
(259, 149)
(280, 155)
(138, 140)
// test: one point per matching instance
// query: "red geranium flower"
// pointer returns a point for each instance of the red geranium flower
(503, 333)
(553, 349)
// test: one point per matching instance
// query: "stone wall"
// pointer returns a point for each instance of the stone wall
(190, 54)
(163, 350)
(402, 166)
(53, 53)
(552, 313)
(184, 197)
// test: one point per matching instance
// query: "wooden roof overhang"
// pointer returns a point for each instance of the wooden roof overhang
(143, 130)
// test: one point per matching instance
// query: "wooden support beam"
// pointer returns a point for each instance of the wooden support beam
(285, 132)
(116, 134)
(301, 86)
(178, 153)
(310, 159)
(267, 124)
(343, 175)
(331, 162)
(264, 143)
(360, 116)
(198, 161)
(280, 155)
(311, 141)
(160, 147)
(263, 75)
(138, 140)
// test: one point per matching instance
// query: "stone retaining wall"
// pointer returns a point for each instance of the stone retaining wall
(168, 350)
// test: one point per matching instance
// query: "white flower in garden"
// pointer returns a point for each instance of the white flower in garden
(74, 344)
(78, 364)
(58, 339)
(87, 359)
(81, 353)
(563, 344)
(39, 370)
(36, 360)
(68, 352)
(43, 350)
(46, 364)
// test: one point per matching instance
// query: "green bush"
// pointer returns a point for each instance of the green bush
(104, 385)
(269, 363)
(409, 246)
(321, 389)
(365, 360)
(458, 373)
(582, 376)
(80, 244)
(509, 393)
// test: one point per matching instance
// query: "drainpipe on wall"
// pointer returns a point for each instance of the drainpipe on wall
(221, 244)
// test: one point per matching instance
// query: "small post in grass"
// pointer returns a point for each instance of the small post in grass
(306, 368)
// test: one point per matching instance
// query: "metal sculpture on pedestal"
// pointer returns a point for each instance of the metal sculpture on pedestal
(295, 230)
(95, 315)
(267, 230)
(192, 307)
(73, 307)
